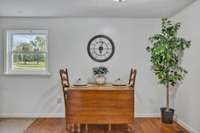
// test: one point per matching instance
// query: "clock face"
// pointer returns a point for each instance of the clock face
(101, 48)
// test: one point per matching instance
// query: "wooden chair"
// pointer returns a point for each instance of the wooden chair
(132, 78)
(65, 85)
(131, 83)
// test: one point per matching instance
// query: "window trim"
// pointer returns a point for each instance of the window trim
(7, 42)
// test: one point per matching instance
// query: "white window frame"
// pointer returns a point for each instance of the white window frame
(7, 52)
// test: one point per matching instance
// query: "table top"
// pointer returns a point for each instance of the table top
(100, 87)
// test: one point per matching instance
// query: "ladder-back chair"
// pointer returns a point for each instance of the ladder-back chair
(65, 85)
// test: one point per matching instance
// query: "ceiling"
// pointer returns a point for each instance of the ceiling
(92, 8)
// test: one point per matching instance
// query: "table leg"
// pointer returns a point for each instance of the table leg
(86, 127)
(130, 128)
(72, 128)
(79, 128)
(109, 127)
(67, 127)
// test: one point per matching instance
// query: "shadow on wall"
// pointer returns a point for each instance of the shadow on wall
(51, 101)
(174, 90)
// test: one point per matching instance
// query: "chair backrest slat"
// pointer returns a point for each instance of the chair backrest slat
(132, 77)
(64, 79)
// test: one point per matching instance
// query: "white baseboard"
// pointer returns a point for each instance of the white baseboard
(32, 115)
(186, 126)
(148, 115)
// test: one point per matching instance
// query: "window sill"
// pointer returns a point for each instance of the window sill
(27, 74)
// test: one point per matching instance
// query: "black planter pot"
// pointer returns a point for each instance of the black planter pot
(167, 115)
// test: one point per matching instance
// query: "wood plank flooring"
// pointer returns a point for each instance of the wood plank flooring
(142, 125)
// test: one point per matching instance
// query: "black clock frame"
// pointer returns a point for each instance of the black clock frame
(101, 36)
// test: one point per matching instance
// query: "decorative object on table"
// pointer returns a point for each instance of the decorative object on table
(99, 73)
(118, 82)
(166, 52)
(80, 82)
(101, 48)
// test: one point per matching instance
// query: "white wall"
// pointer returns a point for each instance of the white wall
(187, 100)
(68, 37)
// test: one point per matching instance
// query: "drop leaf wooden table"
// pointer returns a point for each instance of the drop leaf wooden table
(99, 104)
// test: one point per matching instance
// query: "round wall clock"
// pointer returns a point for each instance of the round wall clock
(101, 48)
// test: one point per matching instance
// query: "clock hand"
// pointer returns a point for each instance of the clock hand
(101, 49)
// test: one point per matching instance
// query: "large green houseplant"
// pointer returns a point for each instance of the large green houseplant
(166, 52)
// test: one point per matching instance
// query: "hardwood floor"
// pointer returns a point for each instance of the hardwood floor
(142, 125)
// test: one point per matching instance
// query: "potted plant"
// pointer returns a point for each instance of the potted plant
(99, 73)
(166, 53)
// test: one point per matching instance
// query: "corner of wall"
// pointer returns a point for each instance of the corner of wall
(186, 126)
(182, 9)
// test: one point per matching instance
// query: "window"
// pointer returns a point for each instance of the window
(26, 52)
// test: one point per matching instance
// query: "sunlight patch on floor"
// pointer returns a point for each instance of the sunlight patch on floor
(14, 125)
